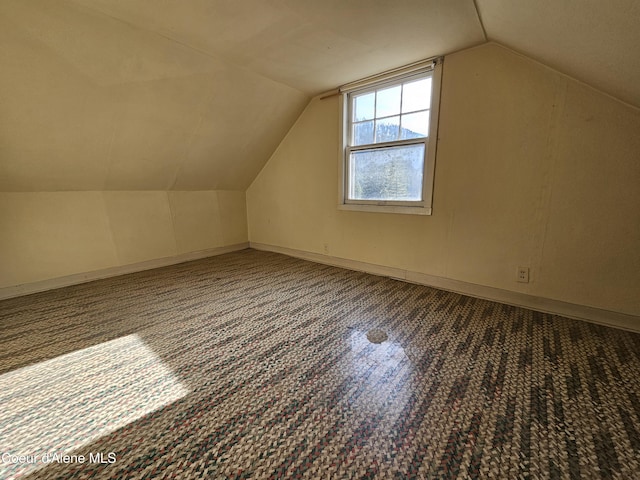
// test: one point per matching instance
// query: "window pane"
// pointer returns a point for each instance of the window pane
(388, 102)
(393, 173)
(362, 133)
(387, 129)
(416, 95)
(415, 125)
(364, 107)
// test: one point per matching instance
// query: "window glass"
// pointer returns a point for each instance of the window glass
(362, 133)
(388, 101)
(415, 125)
(364, 107)
(387, 129)
(416, 95)
(392, 173)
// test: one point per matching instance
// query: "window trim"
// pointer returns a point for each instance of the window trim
(395, 77)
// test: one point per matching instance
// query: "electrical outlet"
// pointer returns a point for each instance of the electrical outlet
(523, 274)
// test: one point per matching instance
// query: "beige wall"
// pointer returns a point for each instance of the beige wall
(533, 169)
(47, 235)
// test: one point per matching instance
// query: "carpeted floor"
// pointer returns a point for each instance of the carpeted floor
(256, 365)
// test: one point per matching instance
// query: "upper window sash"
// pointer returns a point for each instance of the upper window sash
(375, 111)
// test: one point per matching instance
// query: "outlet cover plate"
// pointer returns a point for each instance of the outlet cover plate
(523, 275)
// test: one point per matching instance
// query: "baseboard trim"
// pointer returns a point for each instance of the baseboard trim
(77, 278)
(546, 305)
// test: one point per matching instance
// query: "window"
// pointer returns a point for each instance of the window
(389, 141)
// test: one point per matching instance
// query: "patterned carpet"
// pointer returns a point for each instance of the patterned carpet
(257, 365)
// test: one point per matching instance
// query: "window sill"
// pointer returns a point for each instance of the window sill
(386, 209)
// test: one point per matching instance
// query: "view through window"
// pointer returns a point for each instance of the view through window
(387, 142)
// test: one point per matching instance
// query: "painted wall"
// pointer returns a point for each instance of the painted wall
(533, 169)
(45, 235)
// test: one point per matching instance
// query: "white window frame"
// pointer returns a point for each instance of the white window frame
(432, 68)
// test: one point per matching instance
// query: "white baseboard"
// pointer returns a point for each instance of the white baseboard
(50, 284)
(556, 307)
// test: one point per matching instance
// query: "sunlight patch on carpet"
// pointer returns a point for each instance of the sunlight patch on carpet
(59, 405)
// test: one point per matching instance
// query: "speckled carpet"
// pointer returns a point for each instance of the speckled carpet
(257, 365)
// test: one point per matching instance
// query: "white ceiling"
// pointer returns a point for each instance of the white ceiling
(197, 94)
(310, 45)
(595, 41)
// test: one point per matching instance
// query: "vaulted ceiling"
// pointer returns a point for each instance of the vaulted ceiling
(197, 94)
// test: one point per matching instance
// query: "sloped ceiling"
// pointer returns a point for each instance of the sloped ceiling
(310, 45)
(197, 94)
(93, 103)
(595, 41)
